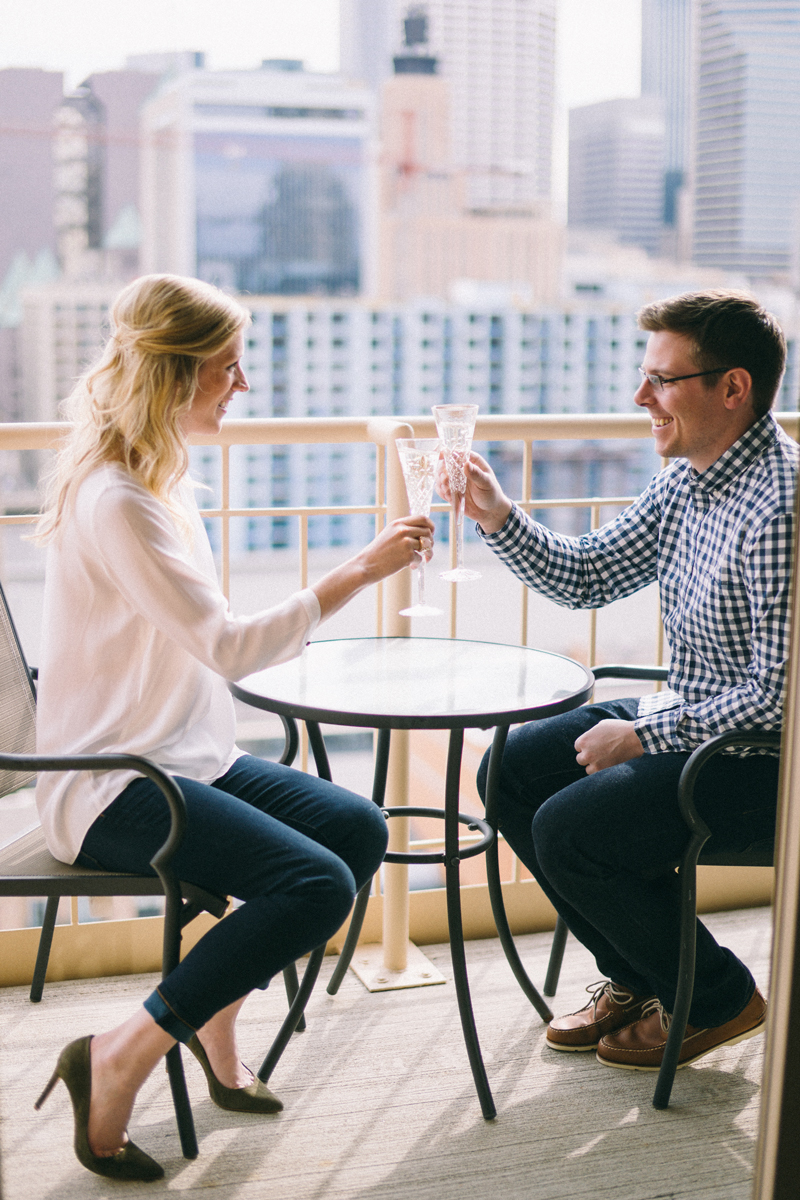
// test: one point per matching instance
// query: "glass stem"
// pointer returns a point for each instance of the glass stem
(458, 507)
(421, 583)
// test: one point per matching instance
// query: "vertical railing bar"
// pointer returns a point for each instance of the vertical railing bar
(660, 624)
(226, 533)
(594, 523)
(453, 587)
(527, 473)
(398, 596)
(380, 522)
(303, 535)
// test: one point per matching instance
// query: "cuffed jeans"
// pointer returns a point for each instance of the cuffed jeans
(294, 848)
(602, 847)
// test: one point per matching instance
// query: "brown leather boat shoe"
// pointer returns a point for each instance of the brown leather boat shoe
(640, 1046)
(610, 1007)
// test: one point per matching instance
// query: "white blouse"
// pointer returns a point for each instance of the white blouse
(137, 644)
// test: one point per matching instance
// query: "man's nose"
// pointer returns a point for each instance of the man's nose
(645, 393)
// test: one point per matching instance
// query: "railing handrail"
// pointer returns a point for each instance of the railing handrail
(536, 427)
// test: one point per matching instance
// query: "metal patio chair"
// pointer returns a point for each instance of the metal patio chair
(759, 854)
(28, 869)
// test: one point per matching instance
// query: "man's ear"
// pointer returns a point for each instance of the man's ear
(738, 388)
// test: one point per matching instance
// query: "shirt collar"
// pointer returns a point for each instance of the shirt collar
(738, 457)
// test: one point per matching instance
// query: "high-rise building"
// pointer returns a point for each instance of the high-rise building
(499, 59)
(667, 74)
(28, 101)
(430, 239)
(369, 33)
(616, 154)
(747, 167)
(260, 180)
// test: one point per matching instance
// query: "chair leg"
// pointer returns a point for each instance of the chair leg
(292, 986)
(180, 1099)
(686, 968)
(293, 1016)
(556, 957)
(43, 953)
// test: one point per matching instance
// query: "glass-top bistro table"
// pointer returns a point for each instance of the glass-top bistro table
(428, 683)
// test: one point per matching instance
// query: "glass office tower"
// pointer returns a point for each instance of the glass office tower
(667, 73)
(747, 171)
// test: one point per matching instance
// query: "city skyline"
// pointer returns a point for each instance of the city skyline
(598, 46)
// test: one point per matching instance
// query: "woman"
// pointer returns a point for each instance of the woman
(138, 643)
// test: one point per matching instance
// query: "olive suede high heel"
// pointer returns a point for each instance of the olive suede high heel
(255, 1098)
(74, 1066)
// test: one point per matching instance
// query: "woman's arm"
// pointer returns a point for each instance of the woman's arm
(134, 538)
(399, 545)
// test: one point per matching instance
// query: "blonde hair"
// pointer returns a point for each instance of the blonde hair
(127, 408)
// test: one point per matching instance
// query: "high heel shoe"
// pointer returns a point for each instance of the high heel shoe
(74, 1066)
(255, 1098)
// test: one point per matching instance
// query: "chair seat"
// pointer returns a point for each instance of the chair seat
(28, 869)
(759, 854)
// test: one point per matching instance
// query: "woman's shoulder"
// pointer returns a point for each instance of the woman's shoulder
(113, 484)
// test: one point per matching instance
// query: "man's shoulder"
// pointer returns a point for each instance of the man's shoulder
(773, 478)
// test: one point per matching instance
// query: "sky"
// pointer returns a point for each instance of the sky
(598, 39)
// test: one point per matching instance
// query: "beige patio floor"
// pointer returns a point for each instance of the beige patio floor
(380, 1102)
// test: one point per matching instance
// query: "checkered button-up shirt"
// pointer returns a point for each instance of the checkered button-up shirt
(720, 545)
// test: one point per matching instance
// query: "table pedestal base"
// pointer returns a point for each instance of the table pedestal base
(367, 964)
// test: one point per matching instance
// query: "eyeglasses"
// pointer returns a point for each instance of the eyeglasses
(658, 381)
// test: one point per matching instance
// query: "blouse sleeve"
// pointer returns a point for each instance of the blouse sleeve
(137, 545)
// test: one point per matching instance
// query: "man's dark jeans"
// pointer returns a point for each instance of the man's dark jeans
(602, 846)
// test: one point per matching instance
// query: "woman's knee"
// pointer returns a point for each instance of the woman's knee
(327, 887)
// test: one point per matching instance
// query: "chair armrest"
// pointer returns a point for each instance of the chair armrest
(698, 759)
(119, 762)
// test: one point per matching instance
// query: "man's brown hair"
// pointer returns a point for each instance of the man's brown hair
(727, 329)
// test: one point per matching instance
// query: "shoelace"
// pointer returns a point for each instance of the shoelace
(655, 1005)
(605, 987)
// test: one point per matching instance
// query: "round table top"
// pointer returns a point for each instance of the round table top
(418, 683)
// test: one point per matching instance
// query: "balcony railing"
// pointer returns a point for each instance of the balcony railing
(121, 946)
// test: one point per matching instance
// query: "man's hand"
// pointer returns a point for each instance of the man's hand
(485, 501)
(606, 744)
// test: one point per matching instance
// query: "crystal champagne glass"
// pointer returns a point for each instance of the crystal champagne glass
(455, 424)
(418, 458)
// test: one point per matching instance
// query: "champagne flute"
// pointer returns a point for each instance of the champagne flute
(418, 458)
(455, 424)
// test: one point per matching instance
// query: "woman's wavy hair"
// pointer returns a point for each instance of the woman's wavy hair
(127, 407)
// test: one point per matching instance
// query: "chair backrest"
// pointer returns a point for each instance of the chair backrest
(17, 702)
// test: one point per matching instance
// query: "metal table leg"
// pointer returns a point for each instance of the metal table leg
(493, 878)
(458, 957)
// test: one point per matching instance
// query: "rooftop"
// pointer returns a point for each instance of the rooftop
(379, 1097)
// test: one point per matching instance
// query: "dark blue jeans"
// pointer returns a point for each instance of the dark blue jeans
(602, 845)
(293, 847)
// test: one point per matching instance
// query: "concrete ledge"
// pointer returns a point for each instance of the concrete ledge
(131, 947)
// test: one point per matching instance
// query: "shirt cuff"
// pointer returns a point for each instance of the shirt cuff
(309, 601)
(514, 522)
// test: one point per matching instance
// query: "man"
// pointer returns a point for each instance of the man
(588, 799)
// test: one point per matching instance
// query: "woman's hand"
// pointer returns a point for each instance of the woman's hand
(403, 543)
(485, 501)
